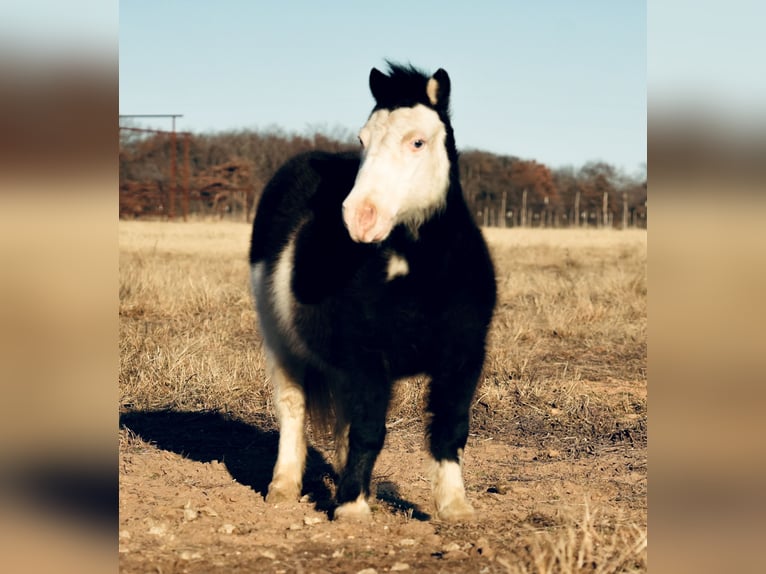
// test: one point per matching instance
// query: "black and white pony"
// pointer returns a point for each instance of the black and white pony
(366, 270)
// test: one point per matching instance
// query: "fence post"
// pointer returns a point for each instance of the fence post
(624, 210)
(503, 208)
(577, 209)
(524, 208)
(173, 169)
(186, 176)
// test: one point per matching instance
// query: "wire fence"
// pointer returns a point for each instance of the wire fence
(159, 180)
(165, 174)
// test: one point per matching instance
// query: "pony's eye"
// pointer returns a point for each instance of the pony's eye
(418, 144)
(361, 143)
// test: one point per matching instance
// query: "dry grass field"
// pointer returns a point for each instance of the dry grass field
(555, 464)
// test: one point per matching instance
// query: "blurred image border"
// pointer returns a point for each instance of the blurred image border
(59, 326)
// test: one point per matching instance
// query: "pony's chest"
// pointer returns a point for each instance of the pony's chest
(400, 282)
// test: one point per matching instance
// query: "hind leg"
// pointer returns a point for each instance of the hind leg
(365, 436)
(341, 433)
(449, 403)
(290, 403)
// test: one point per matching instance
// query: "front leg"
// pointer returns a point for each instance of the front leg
(449, 404)
(290, 403)
(366, 434)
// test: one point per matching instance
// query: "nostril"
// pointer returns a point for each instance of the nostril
(367, 215)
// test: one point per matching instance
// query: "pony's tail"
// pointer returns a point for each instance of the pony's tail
(321, 405)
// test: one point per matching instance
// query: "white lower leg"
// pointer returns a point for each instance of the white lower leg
(357, 510)
(449, 490)
(290, 404)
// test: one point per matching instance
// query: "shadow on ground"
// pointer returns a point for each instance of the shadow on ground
(248, 452)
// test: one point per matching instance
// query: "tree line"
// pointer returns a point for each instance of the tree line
(224, 173)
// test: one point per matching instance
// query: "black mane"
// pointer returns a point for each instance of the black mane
(406, 87)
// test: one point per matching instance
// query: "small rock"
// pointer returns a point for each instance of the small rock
(407, 542)
(305, 498)
(451, 547)
(338, 553)
(270, 554)
(189, 513)
(189, 555)
(399, 566)
(295, 526)
(159, 529)
(455, 555)
(368, 571)
(415, 529)
(209, 511)
(124, 535)
(484, 549)
(227, 528)
(309, 520)
(498, 488)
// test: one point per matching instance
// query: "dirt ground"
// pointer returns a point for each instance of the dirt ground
(555, 466)
(193, 501)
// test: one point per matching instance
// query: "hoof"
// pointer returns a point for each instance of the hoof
(357, 511)
(456, 511)
(282, 493)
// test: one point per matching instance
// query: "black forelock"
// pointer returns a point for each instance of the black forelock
(406, 87)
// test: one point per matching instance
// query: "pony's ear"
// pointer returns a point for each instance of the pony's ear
(378, 84)
(438, 89)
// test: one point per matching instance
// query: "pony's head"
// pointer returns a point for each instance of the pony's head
(405, 171)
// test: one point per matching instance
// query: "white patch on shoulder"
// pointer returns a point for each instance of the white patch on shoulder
(259, 280)
(397, 266)
(281, 286)
(275, 303)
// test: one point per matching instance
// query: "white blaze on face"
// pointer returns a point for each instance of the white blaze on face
(404, 173)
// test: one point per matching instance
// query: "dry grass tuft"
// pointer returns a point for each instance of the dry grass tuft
(586, 543)
(567, 351)
(187, 325)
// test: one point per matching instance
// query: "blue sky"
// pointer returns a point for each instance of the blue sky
(709, 58)
(560, 82)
